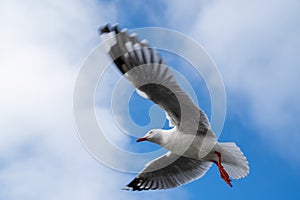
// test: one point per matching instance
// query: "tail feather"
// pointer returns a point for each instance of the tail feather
(233, 160)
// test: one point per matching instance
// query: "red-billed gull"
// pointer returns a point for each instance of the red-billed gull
(192, 145)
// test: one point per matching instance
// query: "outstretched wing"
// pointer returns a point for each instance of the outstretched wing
(145, 69)
(159, 174)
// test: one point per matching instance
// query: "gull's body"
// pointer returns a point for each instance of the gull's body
(192, 145)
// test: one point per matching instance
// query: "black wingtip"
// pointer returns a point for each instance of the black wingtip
(107, 28)
(104, 29)
(134, 185)
(116, 28)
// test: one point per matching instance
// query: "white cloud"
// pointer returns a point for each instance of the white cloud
(255, 44)
(41, 156)
(42, 46)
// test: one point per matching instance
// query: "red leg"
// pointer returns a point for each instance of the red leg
(224, 175)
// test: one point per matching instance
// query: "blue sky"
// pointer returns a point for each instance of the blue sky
(255, 45)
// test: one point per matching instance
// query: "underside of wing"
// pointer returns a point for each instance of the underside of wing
(145, 69)
(160, 174)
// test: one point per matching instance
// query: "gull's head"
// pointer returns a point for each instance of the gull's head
(152, 136)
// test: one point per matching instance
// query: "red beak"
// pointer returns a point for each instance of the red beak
(141, 139)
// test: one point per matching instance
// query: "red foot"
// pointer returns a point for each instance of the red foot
(223, 173)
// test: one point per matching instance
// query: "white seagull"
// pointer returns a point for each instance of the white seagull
(192, 146)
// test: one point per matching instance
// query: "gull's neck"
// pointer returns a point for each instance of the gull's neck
(166, 136)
